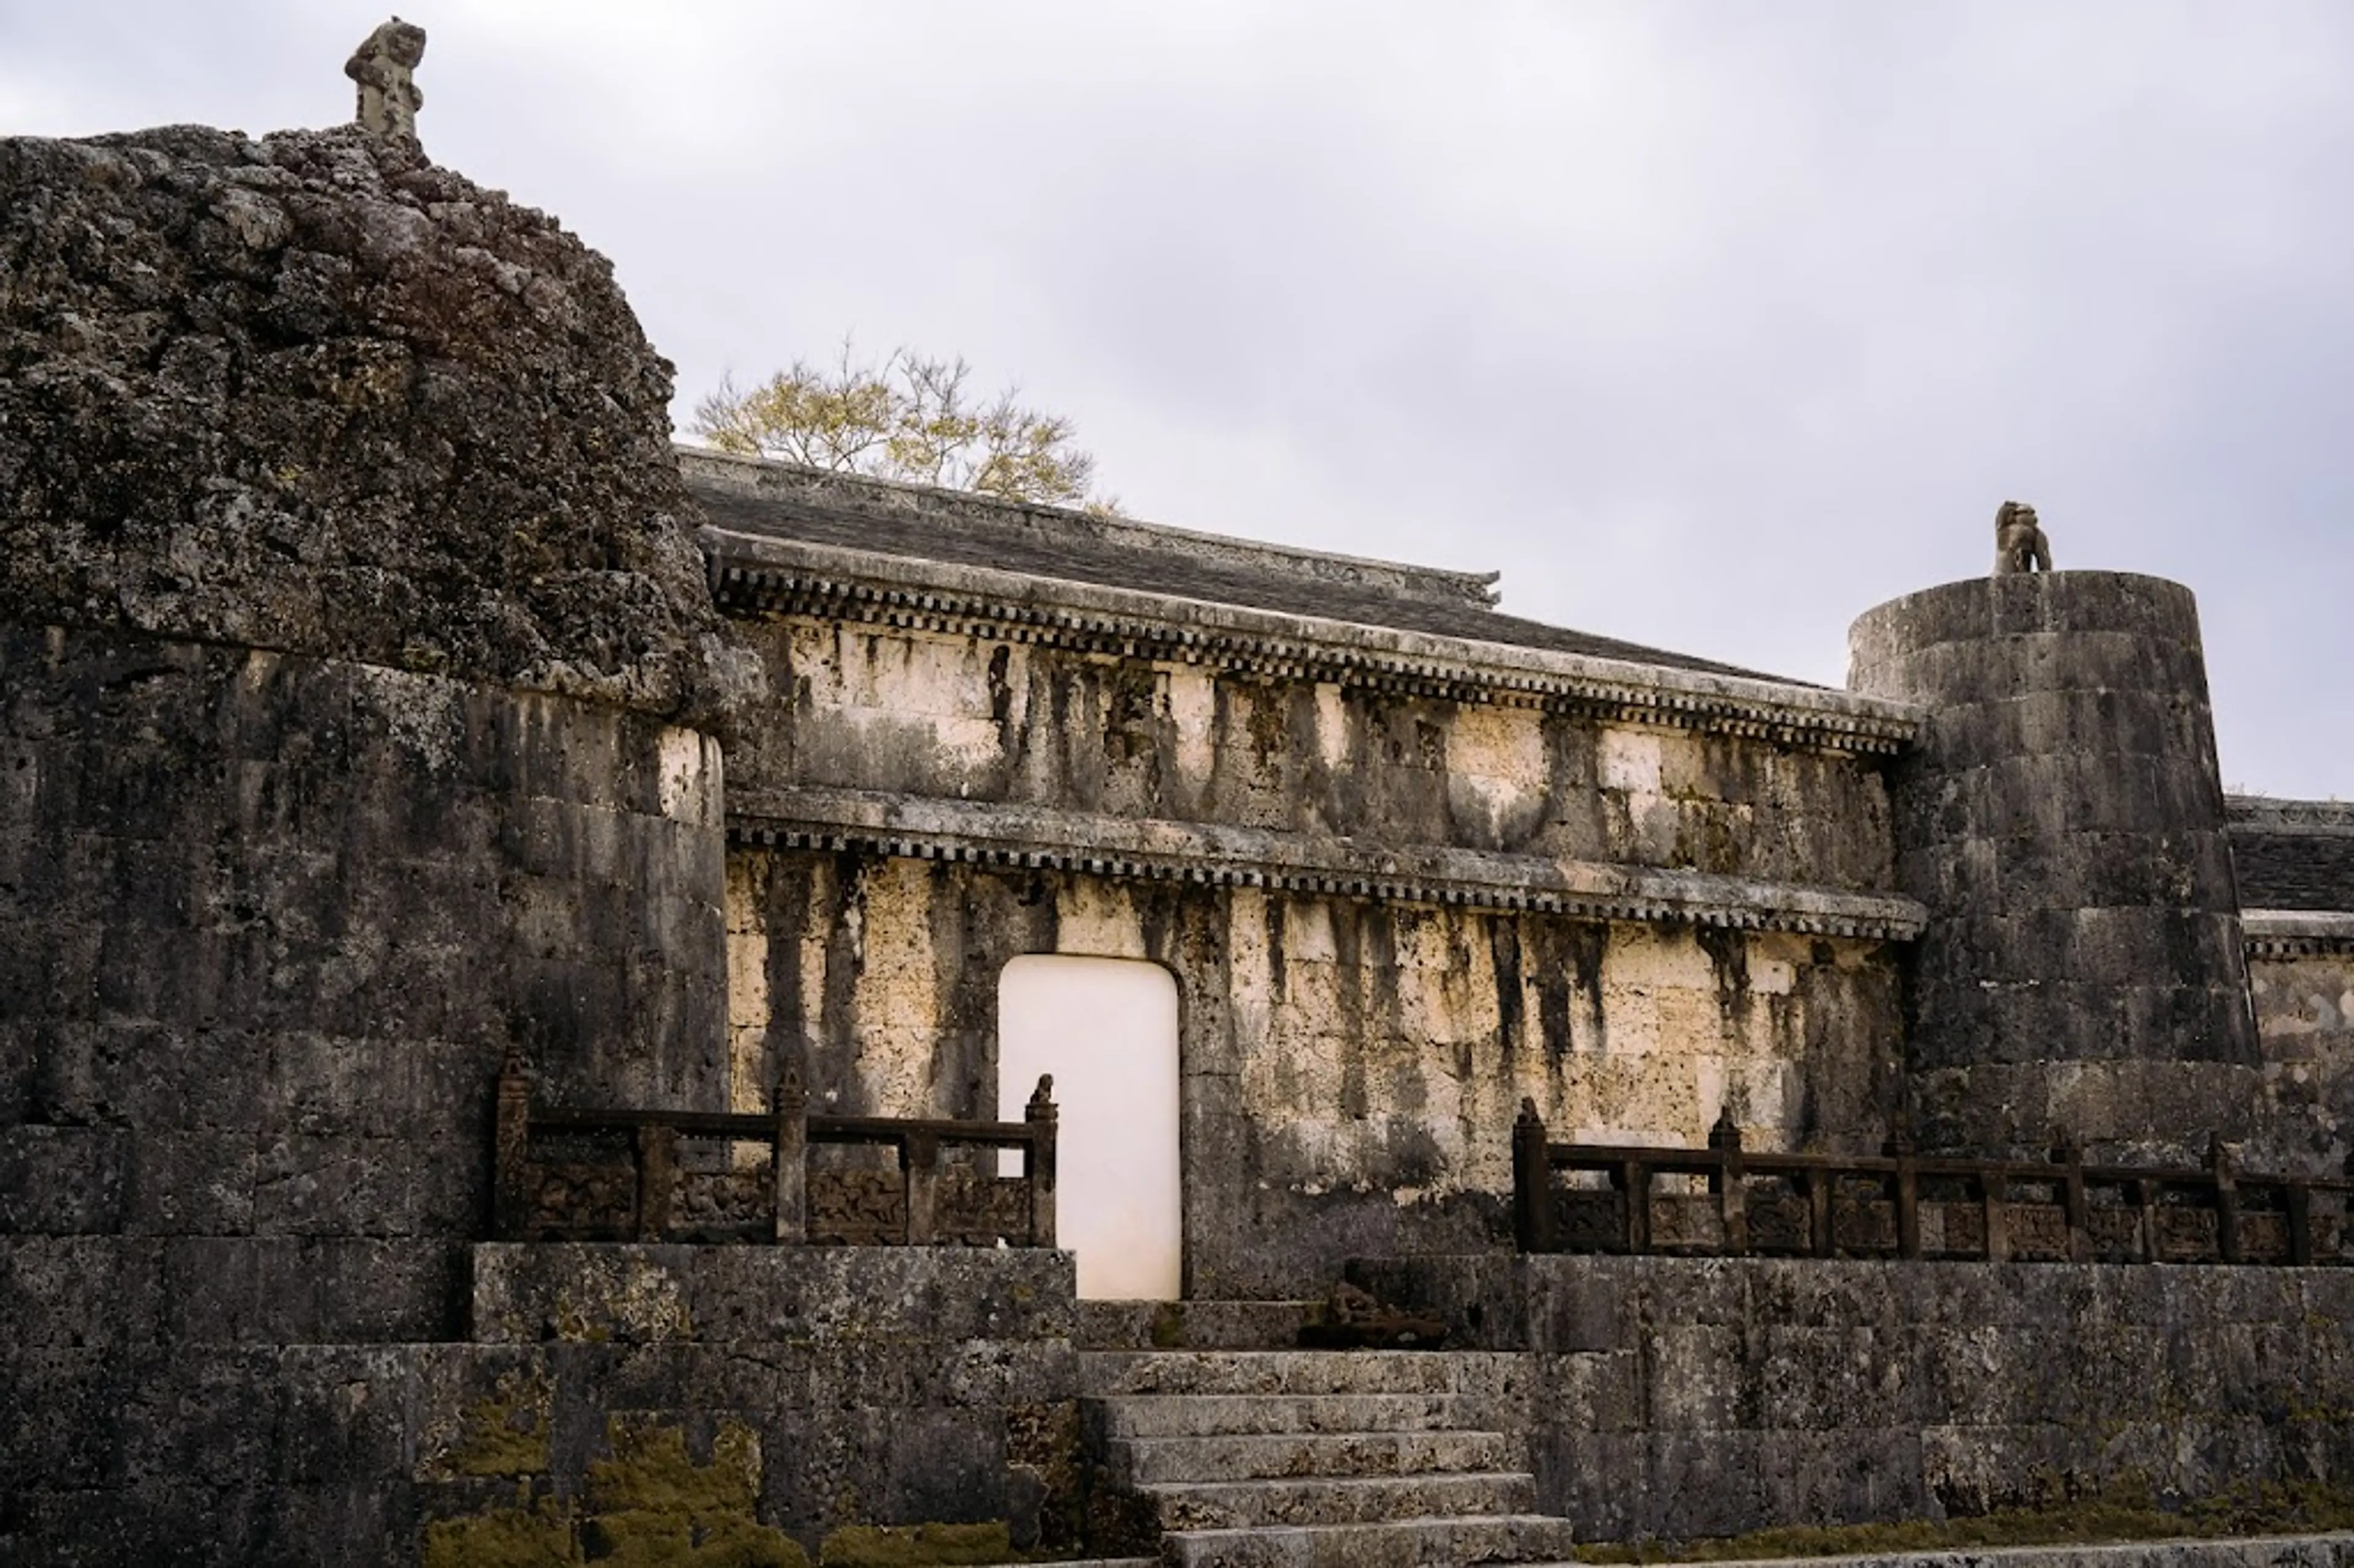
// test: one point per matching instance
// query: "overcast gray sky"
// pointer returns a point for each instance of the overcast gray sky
(1711, 325)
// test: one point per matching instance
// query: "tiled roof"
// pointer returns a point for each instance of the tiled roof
(778, 501)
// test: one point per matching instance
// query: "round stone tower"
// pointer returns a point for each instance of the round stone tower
(2062, 818)
(358, 681)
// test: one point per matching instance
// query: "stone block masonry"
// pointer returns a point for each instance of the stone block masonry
(765, 1395)
(2062, 818)
(1351, 1069)
(1679, 1398)
(363, 700)
(267, 924)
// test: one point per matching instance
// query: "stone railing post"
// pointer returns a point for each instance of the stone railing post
(920, 1173)
(2070, 1155)
(657, 1176)
(1532, 1213)
(2147, 1198)
(1820, 1191)
(1994, 1199)
(2227, 1199)
(1907, 1194)
(791, 1169)
(1726, 1182)
(1038, 1163)
(1633, 1178)
(511, 1152)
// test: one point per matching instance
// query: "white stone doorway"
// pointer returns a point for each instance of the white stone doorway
(1107, 1029)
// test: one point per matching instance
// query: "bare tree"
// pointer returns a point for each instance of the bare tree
(910, 418)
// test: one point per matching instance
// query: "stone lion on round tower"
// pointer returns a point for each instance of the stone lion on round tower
(2019, 542)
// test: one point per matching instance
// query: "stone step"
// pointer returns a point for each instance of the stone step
(1214, 1416)
(1326, 1500)
(1146, 1461)
(1104, 1374)
(1194, 1324)
(1400, 1544)
(2226, 1552)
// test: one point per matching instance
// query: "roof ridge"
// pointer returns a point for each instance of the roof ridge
(822, 488)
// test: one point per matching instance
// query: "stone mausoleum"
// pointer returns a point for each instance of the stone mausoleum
(527, 956)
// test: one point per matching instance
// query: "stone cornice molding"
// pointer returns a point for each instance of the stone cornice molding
(757, 576)
(2298, 933)
(1030, 838)
(2271, 814)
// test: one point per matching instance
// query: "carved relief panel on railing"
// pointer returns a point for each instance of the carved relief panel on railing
(566, 1173)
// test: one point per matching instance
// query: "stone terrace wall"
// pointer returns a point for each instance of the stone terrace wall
(1686, 1397)
(613, 1395)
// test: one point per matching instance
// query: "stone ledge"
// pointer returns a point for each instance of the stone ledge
(781, 577)
(2295, 933)
(911, 827)
(676, 1293)
(2244, 1552)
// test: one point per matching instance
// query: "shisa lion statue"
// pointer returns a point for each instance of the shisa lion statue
(390, 96)
(2019, 542)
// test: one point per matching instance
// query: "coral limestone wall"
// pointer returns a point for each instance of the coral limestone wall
(1391, 915)
(1349, 1070)
(312, 393)
(971, 718)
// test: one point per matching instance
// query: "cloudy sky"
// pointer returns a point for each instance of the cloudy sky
(1711, 325)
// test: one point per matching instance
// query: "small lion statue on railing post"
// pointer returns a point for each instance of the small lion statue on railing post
(2019, 542)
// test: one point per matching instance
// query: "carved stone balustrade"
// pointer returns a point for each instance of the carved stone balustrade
(570, 1174)
(1726, 1201)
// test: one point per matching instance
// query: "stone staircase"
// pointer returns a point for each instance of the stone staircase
(1243, 1455)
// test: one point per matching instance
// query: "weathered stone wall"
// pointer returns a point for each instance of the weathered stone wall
(270, 917)
(615, 1396)
(2062, 818)
(2301, 972)
(311, 393)
(971, 718)
(269, 923)
(1349, 1069)
(1682, 1397)
(1391, 912)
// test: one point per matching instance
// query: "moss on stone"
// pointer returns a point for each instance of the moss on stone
(651, 1471)
(916, 1546)
(1168, 1327)
(650, 1503)
(535, 1537)
(506, 1434)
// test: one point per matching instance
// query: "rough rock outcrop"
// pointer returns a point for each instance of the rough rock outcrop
(312, 393)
